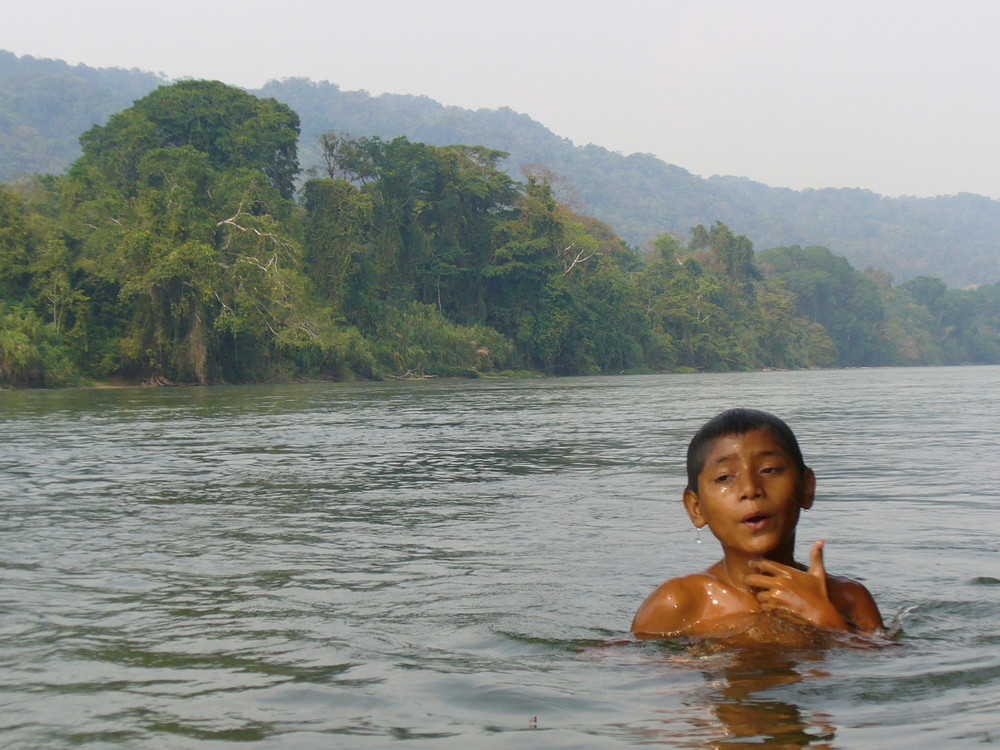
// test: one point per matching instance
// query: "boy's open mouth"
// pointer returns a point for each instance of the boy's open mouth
(755, 520)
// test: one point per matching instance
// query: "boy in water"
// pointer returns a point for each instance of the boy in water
(748, 483)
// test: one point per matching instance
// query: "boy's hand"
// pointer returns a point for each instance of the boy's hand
(802, 594)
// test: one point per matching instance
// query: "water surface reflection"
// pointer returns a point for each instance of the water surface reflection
(746, 700)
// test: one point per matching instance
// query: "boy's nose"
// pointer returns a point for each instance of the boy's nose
(750, 487)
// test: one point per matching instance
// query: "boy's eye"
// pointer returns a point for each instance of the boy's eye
(723, 478)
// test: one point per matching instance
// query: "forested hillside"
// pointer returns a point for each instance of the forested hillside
(45, 105)
(955, 237)
(184, 247)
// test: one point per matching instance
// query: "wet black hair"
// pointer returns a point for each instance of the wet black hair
(737, 422)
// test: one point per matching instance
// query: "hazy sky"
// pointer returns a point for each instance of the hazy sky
(901, 97)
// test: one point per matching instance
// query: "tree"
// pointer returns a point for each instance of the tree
(525, 258)
(338, 221)
(733, 254)
(846, 302)
(197, 236)
(232, 128)
(16, 246)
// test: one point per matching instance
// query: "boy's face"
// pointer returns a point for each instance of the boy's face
(750, 494)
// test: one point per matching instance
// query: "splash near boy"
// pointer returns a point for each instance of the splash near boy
(748, 482)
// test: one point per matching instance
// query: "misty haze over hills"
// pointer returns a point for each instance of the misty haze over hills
(45, 105)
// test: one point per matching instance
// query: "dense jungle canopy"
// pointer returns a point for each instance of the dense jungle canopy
(179, 248)
(46, 104)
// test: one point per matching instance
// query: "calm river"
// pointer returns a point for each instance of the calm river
(456, 563)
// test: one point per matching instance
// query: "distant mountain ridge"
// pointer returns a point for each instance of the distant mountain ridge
(45, 105)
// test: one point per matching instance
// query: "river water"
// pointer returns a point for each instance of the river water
(456, 563)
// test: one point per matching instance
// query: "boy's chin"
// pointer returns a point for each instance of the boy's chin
(766, 549)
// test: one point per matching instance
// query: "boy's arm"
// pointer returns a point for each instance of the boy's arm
(857, 605)
(667, 611)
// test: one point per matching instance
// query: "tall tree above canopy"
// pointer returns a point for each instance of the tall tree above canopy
(432, 215)
(182, 206)
(231, 127)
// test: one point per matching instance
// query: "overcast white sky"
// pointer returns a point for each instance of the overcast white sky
(897, 96)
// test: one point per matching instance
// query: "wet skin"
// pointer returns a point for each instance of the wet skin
(750, 495)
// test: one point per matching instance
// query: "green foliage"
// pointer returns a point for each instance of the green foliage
(958, 326)
(423, 216)
(195, 237)
(415, 339)
(15, 244)
(525, 258)
(952, 237)
(338, 220)
(172, 252)
(873, 322)
(711, 309)
(229, 127)
(910, 330)
(846, 302)
(46, 104)
(31, 351)
(612, 328)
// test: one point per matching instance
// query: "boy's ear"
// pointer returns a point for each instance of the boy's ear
(692, 504)
(808, 489)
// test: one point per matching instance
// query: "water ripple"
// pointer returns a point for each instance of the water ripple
(457, 563)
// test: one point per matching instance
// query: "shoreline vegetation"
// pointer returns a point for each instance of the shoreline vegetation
(182, 247)
(123, 383)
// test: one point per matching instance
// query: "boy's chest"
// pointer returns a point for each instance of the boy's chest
(736, 617)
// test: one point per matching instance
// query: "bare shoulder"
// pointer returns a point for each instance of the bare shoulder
(855, 603)
(672, 607)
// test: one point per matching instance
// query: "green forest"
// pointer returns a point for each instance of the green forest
(185, 246)
(46, 104)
